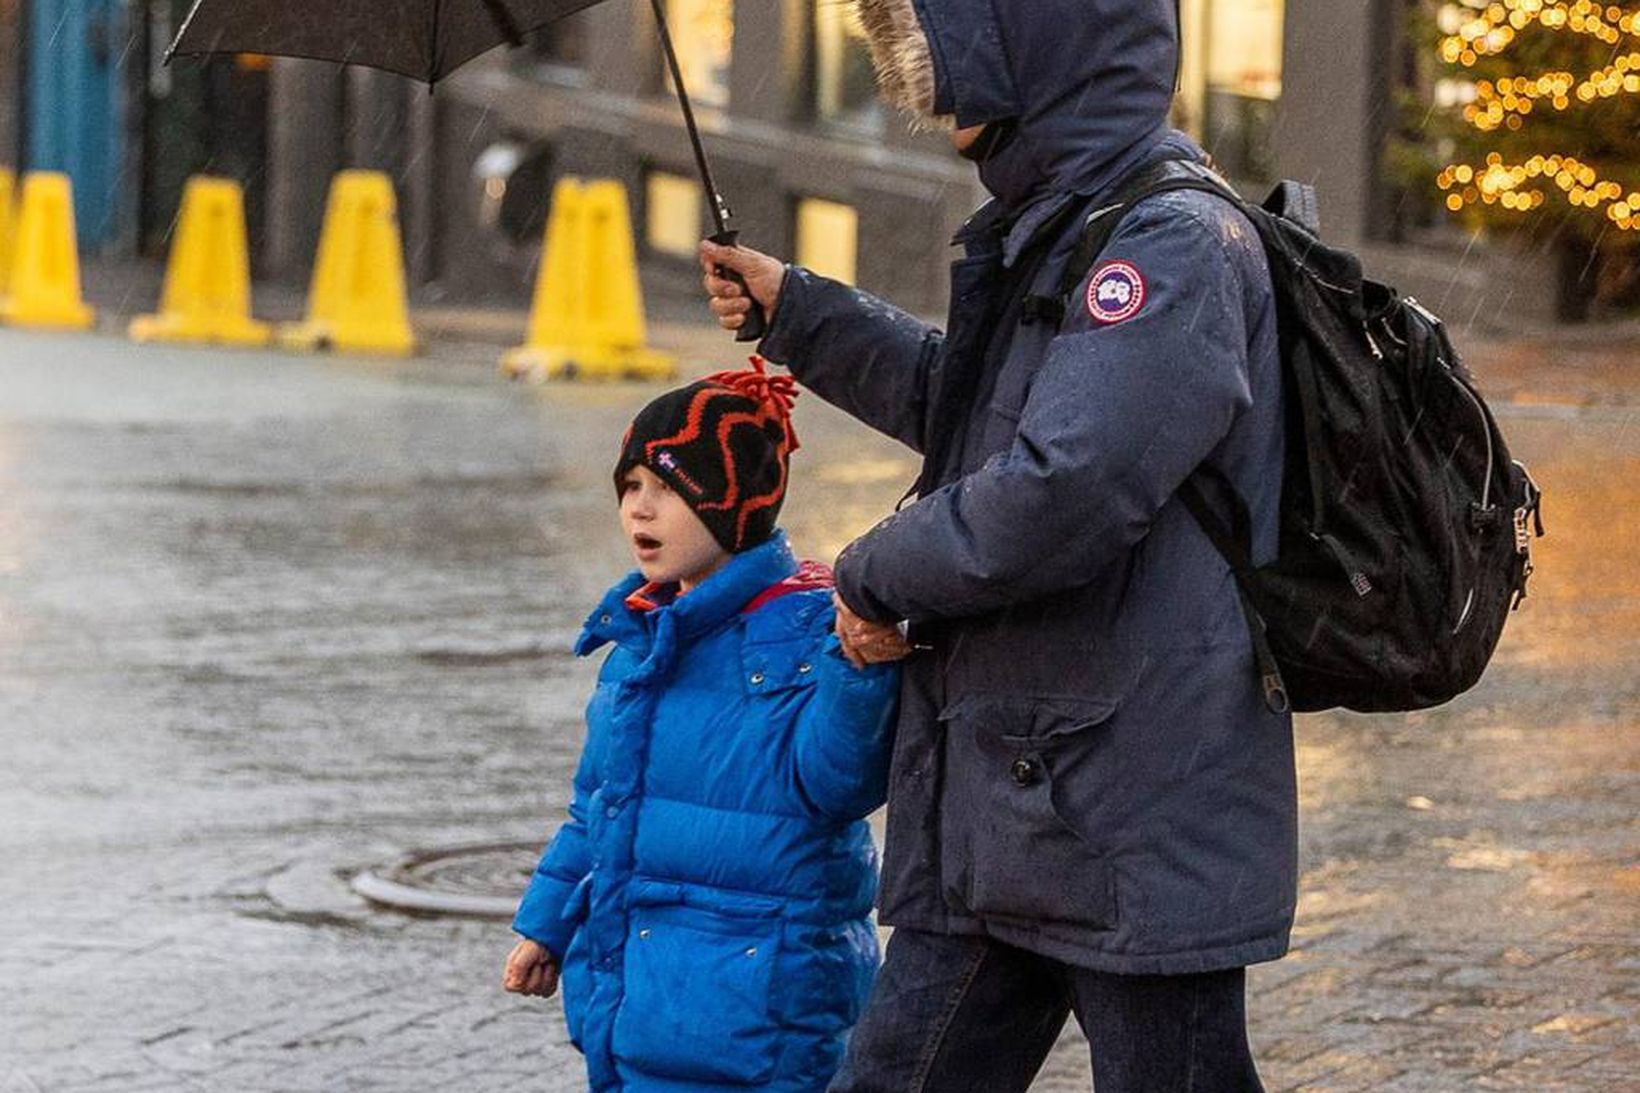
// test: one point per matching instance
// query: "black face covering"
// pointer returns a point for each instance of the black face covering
(992, 139)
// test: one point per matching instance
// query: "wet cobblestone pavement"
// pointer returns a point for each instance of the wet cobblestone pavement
(265, 622)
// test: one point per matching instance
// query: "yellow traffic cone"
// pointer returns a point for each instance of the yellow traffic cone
(45, 268)
(8, 226)
(587, 321)
(357, 303)
(208, 282)
(557, 303)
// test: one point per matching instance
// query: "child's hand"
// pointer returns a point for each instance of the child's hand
(865, 642)
(531, 970)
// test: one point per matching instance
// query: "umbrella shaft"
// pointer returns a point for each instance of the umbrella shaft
(719, 213)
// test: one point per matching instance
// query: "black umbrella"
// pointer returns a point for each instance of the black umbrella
(425, 40)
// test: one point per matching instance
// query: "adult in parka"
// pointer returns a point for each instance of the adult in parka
(1091, 807)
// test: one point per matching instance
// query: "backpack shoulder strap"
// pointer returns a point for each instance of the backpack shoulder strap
(1101, 224)
(810, 577)
(1296, 201)
(1234, 542)
(1233, 539)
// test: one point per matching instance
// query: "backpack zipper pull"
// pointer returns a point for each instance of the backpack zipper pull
(1359, 581)
(1372, 343)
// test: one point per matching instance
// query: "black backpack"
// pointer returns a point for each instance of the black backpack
(1406, 528)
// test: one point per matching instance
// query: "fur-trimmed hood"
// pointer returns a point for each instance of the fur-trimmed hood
(1088, 82)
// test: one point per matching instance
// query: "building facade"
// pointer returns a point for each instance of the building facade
(811, 164)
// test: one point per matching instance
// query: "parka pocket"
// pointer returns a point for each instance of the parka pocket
(698, 1004)
(1014, 815)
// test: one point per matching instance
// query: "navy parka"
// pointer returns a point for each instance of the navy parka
(1084, 764)
(709, 898)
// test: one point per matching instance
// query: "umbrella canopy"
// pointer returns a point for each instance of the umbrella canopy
(423, 39)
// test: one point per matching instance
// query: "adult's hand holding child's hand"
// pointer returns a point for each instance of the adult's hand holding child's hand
(531, 970)
(866, 642)
(764, 276)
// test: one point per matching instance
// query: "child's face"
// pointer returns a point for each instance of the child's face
(668, 540)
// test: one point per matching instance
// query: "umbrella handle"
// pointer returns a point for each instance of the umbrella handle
(757, 323)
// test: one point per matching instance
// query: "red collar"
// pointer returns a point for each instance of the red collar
(651, 597)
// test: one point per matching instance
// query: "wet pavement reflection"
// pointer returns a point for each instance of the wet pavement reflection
(266, 621)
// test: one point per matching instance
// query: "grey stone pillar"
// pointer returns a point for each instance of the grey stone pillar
(767, 72)
(304, 153)
(377, 120)
(11, 85)
(1331, 120)
(622, 54)
(418, 185)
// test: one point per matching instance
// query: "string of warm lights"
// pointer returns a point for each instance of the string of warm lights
(1508, 100)
(1478, 30)
(1498, 183)
(1493, 28)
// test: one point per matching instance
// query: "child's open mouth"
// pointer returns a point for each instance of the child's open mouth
(646, 544)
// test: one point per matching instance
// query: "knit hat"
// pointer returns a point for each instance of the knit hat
(724, 444)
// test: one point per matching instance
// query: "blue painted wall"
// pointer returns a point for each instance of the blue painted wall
(76, 50)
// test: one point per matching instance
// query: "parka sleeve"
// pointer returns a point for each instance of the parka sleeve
(566, 861)
(1117, 417)
(866, 357)
(845, 735)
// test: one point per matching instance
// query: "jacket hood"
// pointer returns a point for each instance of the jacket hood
(1088, 83)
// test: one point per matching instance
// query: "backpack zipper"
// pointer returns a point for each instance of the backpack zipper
(1486, 429)
(1528, 518)
(1468, 608)
(1486, 484)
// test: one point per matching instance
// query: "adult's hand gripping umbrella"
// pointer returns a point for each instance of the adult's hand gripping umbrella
(425, 40)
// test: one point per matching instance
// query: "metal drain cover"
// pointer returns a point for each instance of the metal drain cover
(482, 881)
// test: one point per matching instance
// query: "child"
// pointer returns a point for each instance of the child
(707, 902)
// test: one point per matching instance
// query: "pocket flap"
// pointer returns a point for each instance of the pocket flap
(654, 893)
(1018, 719)
(778, 666)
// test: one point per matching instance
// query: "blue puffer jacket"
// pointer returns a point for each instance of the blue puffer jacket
(709, 898)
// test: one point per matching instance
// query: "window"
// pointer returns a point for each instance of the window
(703, 33)
(828, 238)
(1232, 79)
(845, 83)
(674, 207)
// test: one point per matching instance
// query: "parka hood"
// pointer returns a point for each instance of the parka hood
(1088, 83)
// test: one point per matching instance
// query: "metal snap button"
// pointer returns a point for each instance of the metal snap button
(805, 668)
(643, 935)
(612, 811)
(606, 619)
(757, 679)
(1024, 771)
(752, 951)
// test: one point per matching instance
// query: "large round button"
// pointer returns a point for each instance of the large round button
(1024, 771)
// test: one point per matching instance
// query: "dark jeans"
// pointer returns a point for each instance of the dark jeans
(970, 1015)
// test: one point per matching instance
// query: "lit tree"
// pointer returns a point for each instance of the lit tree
(1542, 103)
